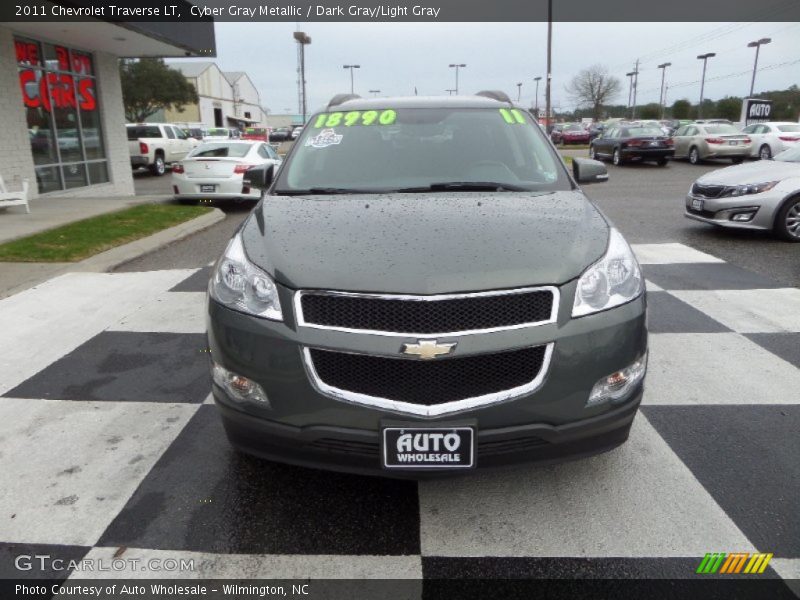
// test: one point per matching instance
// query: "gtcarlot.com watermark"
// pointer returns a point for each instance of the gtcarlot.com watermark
(45, 562)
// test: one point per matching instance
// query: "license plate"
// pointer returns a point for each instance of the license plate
(428, 448)
(734, 143)
(207, 189)
(697, 204)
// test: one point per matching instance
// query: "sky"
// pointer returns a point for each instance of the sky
(397, 57)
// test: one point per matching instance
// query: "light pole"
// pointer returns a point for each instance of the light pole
(537, 80)
(519, 91)
(450, 92)
(630, 87)
(376, 92)
(549, 79)
(457, 66)
(661, 100)
(704, 58)
(757, 45)
(351, 67)
(302, 40)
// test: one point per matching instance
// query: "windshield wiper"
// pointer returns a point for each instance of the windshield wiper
(323, 190)
(467, 186)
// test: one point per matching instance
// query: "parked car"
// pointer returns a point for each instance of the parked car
(574, 133)
(630, 143)
(256, 133)
(296, 131)
(713, 121)
(214, 170)
(217, 134)
(772, 138)
(555, 132)
(281, 134)
(346, 331)
(757, 195)
(156, 145)
(698, 142)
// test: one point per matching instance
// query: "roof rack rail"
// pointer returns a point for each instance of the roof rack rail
(495, 95)
(341, 98)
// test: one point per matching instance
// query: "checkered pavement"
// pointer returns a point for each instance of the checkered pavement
(108, 441)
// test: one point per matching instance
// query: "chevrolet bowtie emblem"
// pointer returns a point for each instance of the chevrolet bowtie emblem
(427, 349)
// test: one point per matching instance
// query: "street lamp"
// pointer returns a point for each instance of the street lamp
(457, 67)
(302, 40)
(450, 92)
(351, 67)
(630, 86)
(376, 92)
(757, 45)
(704, 58)
(519, 91)
(661, 99)
(537, 80)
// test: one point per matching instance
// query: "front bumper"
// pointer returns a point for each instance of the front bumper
(301, 425)
(720, 211)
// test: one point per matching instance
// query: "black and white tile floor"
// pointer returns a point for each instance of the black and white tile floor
(108, 440)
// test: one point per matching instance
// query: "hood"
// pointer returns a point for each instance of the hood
(425, 243)
(759, 171)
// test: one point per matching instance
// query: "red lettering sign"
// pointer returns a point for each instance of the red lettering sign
(27, 52)
(57, 90)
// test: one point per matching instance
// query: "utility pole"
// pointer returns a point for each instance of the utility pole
(537, 80)
(661, 100)
(302, 40)
(457, 66)
(630, 88)
(635, 86)
(549, 63)
(519, 91)
(704, 58)
(757, 45)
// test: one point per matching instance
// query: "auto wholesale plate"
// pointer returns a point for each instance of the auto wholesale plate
(428, 447)
(697, 204)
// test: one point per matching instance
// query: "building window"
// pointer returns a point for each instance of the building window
(59, 89)
(246, 115)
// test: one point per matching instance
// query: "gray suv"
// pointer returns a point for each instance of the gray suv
(425, 289)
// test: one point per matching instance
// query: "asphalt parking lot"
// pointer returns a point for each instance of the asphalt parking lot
(645, 202)
(114, 448)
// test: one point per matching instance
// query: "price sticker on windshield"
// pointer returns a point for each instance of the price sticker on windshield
(355, 117)
(512, 116)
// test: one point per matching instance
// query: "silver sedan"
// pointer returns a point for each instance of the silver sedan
(215, 170)
(759, 195)
(699, 141)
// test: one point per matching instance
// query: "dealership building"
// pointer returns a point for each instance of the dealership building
(61, 113)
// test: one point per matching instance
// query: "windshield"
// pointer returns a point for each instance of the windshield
(414, 149)
(789, 128)
(791, 155)
(220, 150)
(721, 128)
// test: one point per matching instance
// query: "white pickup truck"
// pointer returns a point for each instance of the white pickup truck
(155, 145)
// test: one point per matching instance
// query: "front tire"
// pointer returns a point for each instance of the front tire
(616, 158)
(765, 152)
(694, 155)
(787, 223)
(158, 168)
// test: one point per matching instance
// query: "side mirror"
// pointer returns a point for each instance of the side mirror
(259, 177)
(587, 170)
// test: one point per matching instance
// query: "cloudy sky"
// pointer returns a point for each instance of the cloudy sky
(397, 57)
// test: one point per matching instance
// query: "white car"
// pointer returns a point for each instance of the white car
(214, 170)
(217, 134)
(773, 138)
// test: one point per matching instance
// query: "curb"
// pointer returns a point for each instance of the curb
(110, 259)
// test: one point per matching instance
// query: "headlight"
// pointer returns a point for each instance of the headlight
(239, 284)
(752, 188)
(613, 280)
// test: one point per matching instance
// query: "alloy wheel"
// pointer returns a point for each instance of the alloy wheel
(616, 158)
(694, 156)
(792, 220)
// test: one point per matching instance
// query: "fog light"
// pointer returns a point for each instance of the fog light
(238, 387)
(616, 386)
(743, 216)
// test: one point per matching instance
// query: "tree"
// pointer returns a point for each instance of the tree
(594, 87)
(149, 85)
(729, 108)
(681, 109)
(650, 111)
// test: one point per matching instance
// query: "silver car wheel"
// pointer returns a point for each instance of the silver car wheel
(793, 220)
(694, 156)
(765, 153)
